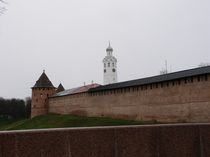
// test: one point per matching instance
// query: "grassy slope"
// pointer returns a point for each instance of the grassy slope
(4, 122)
(62, 121)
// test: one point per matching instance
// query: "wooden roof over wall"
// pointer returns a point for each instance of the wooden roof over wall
(155, 79)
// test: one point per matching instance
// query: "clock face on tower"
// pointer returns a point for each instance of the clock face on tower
(113, 70)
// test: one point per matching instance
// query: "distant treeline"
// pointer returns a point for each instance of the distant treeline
(15, 108)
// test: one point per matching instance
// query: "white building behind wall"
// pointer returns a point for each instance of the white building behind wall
(110, 67)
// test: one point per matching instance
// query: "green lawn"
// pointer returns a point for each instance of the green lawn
(63, 121)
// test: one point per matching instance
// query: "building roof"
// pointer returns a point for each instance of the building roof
(109, 48)
(155, 79)
(76, 90)
(60, 88)
(43, 82)
(109, 59)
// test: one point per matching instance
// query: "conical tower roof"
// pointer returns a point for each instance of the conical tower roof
(60, 88)
(43, 82)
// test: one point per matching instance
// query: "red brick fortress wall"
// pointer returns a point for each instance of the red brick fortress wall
(182, 100)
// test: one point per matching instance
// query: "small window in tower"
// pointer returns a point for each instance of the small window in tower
(113, 64)
(104, 70)
(108, 64)
(41, 95)
(113, 70)
(104, 65)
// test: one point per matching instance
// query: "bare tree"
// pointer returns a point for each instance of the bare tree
(163, 71)
(2, 6)
(202, 64)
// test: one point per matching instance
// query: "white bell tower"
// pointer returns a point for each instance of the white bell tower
(110, 67)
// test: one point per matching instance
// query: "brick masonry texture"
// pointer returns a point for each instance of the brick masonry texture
(40, 100)
(184, 100)
(190, 140)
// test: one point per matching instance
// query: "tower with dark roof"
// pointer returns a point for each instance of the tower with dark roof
(42, 89)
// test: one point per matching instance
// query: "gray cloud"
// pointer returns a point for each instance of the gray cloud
(68, 39)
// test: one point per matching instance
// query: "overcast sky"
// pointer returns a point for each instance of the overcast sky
(68, 39)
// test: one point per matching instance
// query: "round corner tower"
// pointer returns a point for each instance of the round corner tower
(40, 93)
(110, 67)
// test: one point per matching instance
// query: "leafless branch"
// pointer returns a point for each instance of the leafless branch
(2, 8)
(203, 64)
(2, 1)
